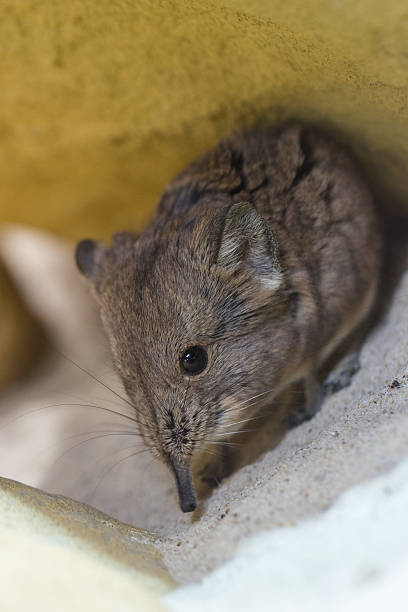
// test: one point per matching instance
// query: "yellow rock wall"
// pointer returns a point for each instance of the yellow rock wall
(102, 102)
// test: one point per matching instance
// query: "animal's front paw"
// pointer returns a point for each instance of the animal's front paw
(342, 375)
(297, 418)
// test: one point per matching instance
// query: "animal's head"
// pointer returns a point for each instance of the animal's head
(188, 312)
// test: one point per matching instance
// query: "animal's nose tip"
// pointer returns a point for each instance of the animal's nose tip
(189, 506)
(187, 495)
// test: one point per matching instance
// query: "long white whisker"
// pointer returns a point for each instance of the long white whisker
(232, 433)
(88, 440)
(233, 423)
(255, 397)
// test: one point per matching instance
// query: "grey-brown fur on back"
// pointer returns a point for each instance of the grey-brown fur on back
(264, 251)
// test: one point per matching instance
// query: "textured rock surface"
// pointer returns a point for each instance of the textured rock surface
(101, 536)
(103, 102)
(58, 554)
(353, 558)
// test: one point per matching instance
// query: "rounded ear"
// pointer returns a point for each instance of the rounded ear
(247, 241)
(84, 256)
(89, 255)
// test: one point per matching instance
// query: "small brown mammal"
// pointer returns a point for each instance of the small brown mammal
(264, 255)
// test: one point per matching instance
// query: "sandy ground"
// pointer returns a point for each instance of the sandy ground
(352, 558)
(80, 449)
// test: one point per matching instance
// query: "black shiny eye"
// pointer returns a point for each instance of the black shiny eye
(194, 360)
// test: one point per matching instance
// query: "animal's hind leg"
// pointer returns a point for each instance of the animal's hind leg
(314, 394)
(343, 373)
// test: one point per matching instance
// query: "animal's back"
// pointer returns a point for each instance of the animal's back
(320, 212)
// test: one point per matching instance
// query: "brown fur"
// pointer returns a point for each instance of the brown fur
(266, 251)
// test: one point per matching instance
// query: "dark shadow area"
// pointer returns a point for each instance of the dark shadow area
(25, 342)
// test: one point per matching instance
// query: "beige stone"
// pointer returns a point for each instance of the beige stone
(58, 554)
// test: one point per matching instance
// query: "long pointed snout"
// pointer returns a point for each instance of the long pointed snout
(185, 486)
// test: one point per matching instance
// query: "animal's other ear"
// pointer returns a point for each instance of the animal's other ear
(89, 256)
(247, 242)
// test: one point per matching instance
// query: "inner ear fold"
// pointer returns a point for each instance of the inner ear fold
(89, 255)
(247, 242)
